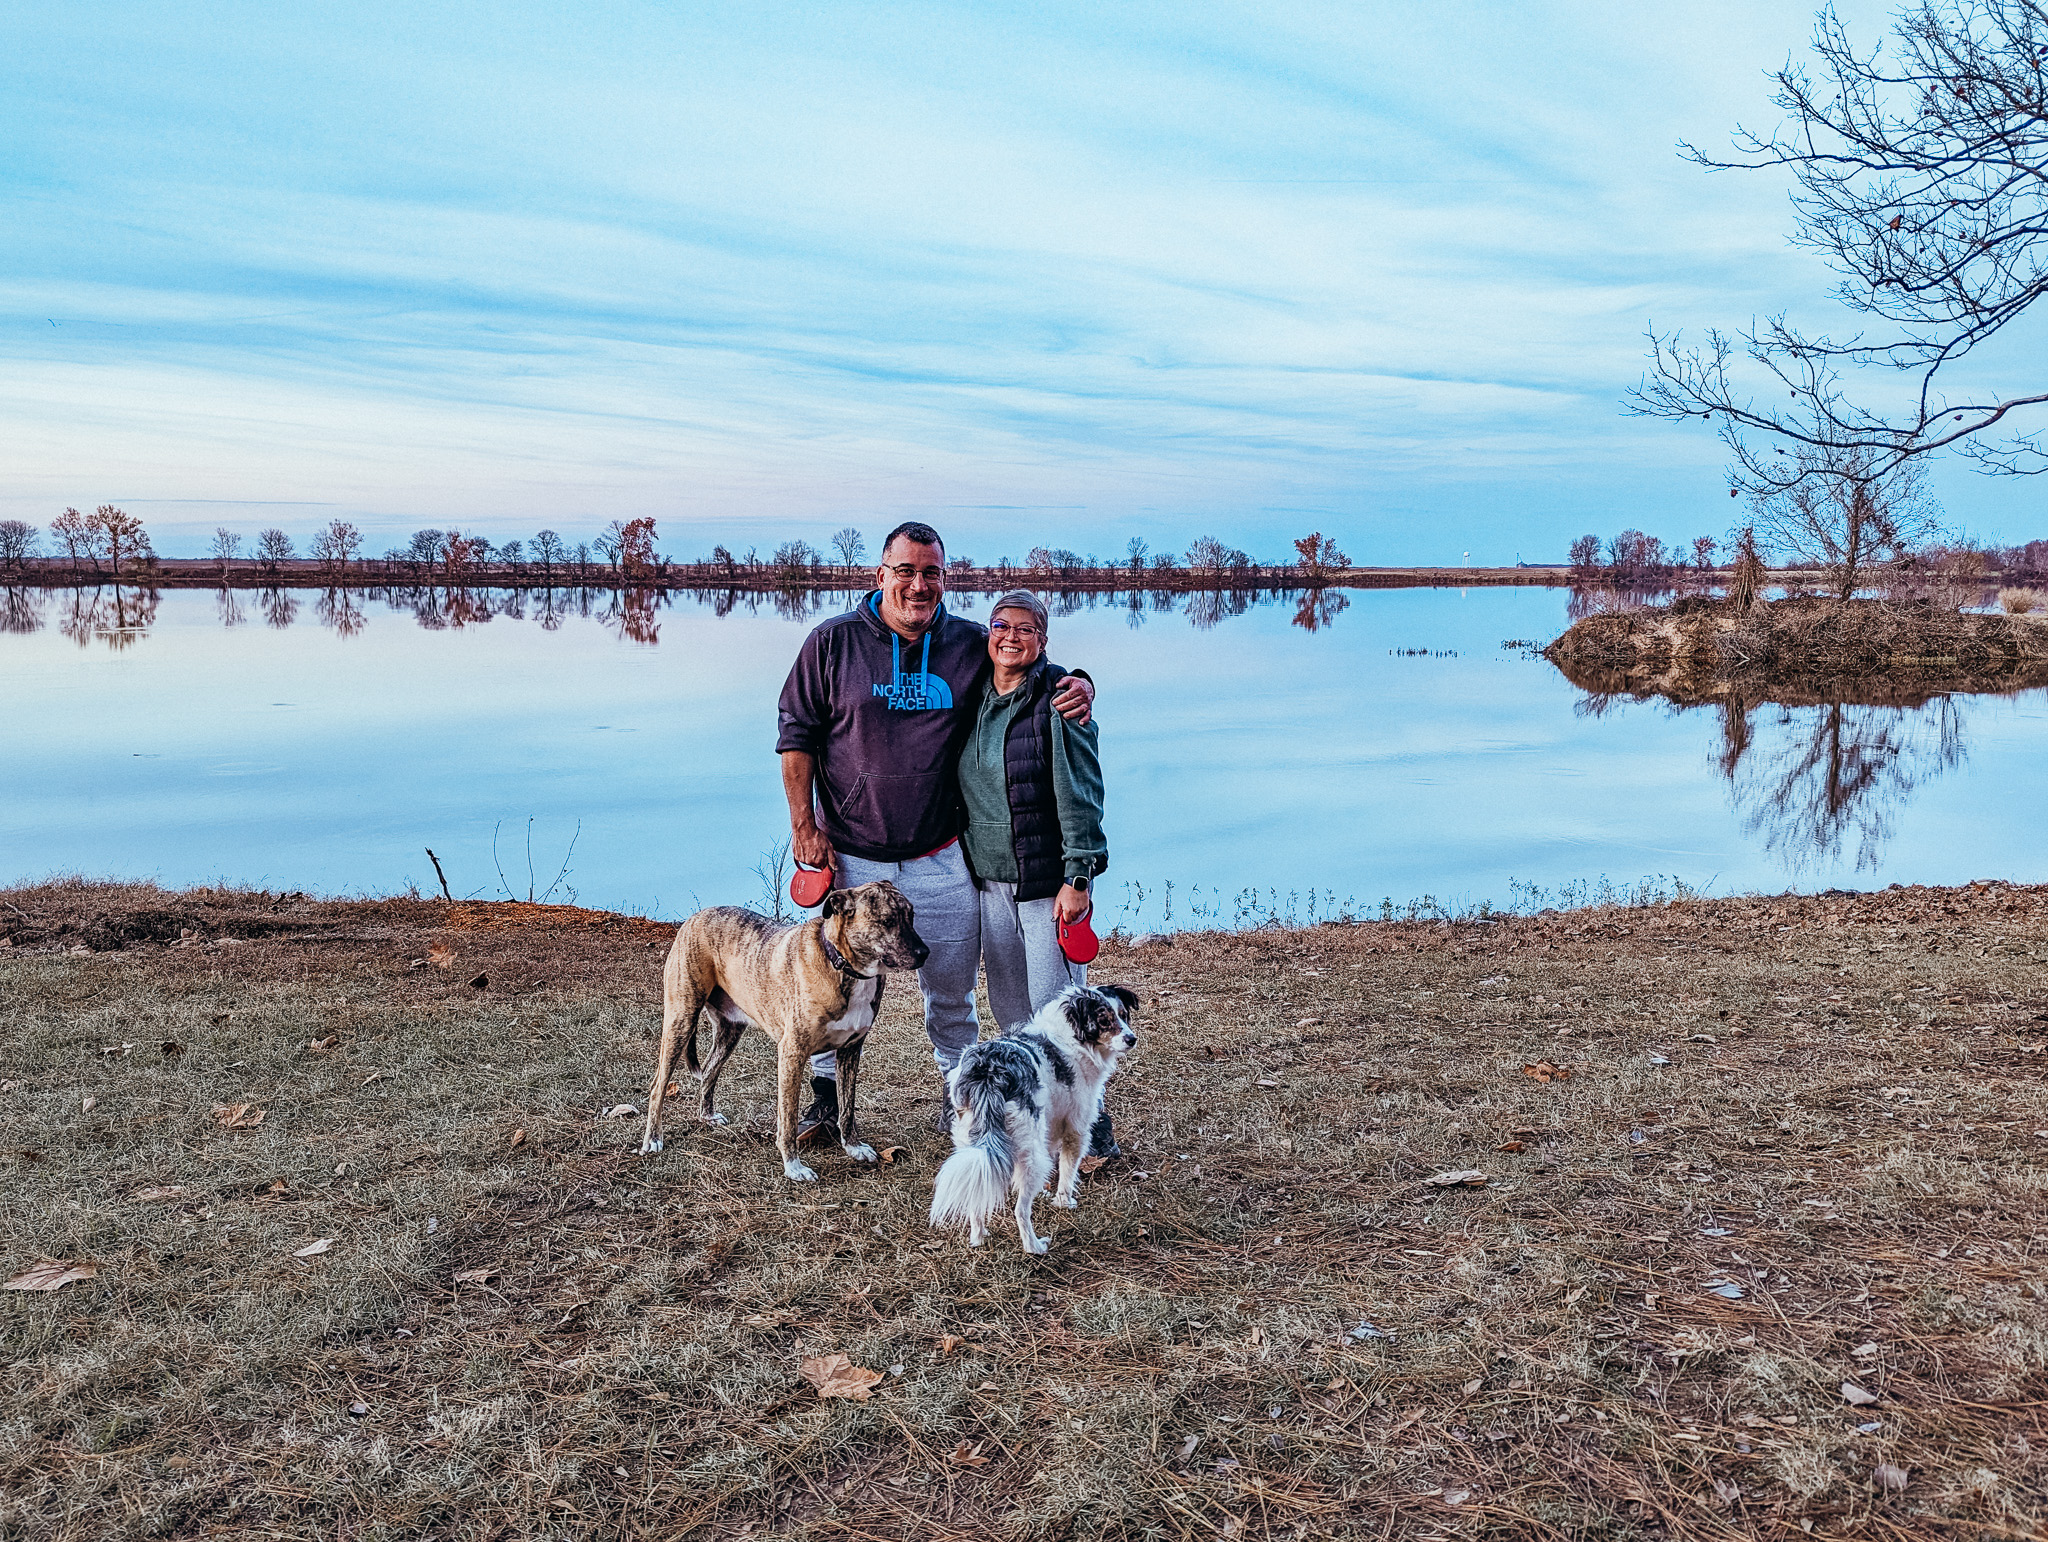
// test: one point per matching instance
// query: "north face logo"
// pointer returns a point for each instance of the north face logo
(916, 693)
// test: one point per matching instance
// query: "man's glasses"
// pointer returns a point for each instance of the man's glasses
(905, 573)
(1016, 628)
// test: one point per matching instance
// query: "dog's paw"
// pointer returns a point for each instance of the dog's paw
(713, 1118)
(863, 1153)
(975, 1242)
(1066, 1201)
(1038, 1245)
(796, 1172)
(649, 1145)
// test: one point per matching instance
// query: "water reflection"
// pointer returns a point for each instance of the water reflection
(1817, 781)
(1821, 780)
(119, 615)
(113, 614)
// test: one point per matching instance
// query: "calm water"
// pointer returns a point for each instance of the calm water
(325, 748)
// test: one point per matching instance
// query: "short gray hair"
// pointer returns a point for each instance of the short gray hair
(1022, 599)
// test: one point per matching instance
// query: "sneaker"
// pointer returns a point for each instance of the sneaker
(823, 1114)
(1102, 1139)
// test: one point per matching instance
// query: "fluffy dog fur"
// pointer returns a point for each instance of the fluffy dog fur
(1018, 1098)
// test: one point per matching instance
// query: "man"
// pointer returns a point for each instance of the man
(872, 718)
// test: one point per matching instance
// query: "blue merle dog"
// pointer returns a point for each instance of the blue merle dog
(1019, 1097)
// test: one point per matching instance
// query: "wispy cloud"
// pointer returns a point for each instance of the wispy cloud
(785, 267)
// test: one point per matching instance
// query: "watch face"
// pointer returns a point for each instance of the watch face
(1079, 883)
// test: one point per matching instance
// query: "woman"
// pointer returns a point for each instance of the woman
(1032, 783)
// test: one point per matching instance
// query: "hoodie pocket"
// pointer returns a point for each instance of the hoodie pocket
(898, 810)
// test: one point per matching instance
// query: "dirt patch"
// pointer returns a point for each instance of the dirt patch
(1736, 1155)
(1801, 652)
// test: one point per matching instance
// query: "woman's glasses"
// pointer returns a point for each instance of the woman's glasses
(1016, 628)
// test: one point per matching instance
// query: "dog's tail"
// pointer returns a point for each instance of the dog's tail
(974, 1182)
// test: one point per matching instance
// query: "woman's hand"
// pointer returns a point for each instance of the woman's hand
(1070, 905)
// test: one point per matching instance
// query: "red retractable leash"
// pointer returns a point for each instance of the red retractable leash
(1077, 938)
(808, 886)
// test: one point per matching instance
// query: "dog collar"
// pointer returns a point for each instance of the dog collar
(838, 961)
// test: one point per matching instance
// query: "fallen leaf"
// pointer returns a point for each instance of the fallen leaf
(479, 982)
(948, 1342)
(671, 1091)
(441, 956)
(322, 1046)
(1889, 1477)
(1855, 1396)
(237, 1116)
(1544, 1071)
(358, 1408)
(1308, 1022)
(1470, 1177)
(1864, 1351)
(518, 1138)
(621, 1111)
(51, 1274)
(375, 1076)
(965, 1455)
(473, 1276)
(837, 1376)
(86, 1104)
(1091, 1164)
(1187, 1446)
(1456, 1496)
(1472, 1387)
(314, 1249)
(891, 1153)
(144, 1196)
(1510, 1145)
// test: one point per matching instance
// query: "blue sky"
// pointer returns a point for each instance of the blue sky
(1059, 273)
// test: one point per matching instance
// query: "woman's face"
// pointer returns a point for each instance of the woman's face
(1014, 641)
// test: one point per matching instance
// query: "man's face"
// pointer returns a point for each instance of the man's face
(913, 581)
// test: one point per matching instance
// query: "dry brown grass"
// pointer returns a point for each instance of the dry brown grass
(1845, 1130)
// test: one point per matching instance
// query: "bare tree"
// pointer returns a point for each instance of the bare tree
(120, 533)
(1319, 556)
(78, 536)
(17, 542)
(611, 542)
(547, 551)
(336, 544)
(226, 547)
(850, 544)
(272, 547)
(1134, 553)
(424, 549)
(1849, 516)
(1585, 558)
(1923, 182)
(1207, 554)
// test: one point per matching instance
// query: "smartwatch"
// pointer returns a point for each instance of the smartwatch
(1079, 885)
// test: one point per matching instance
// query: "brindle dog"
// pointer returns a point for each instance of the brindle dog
(810, 987)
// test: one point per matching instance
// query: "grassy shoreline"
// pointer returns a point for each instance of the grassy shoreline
(1264, 1323)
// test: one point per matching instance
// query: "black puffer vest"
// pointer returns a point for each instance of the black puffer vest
(1034, 808)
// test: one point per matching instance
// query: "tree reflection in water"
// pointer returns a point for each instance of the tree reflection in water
(229, 603)
(341, 611)
(115, 615)
(21, 610)
(280, 608)
(1319, 608)
(1817, 780)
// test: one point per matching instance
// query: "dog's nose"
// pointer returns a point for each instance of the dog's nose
(922, 953)
(1129, 1039)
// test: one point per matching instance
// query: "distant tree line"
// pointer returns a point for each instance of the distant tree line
(624, 553)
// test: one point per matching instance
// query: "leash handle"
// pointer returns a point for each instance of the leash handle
(808, 886)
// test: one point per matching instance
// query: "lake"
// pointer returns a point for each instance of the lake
(1394, 755)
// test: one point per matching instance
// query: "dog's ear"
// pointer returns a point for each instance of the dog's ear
(1079, 1013)
(1124, 994)
(835, 901)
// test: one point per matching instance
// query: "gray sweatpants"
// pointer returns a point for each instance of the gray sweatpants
(1021, 952)
(948, 918)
